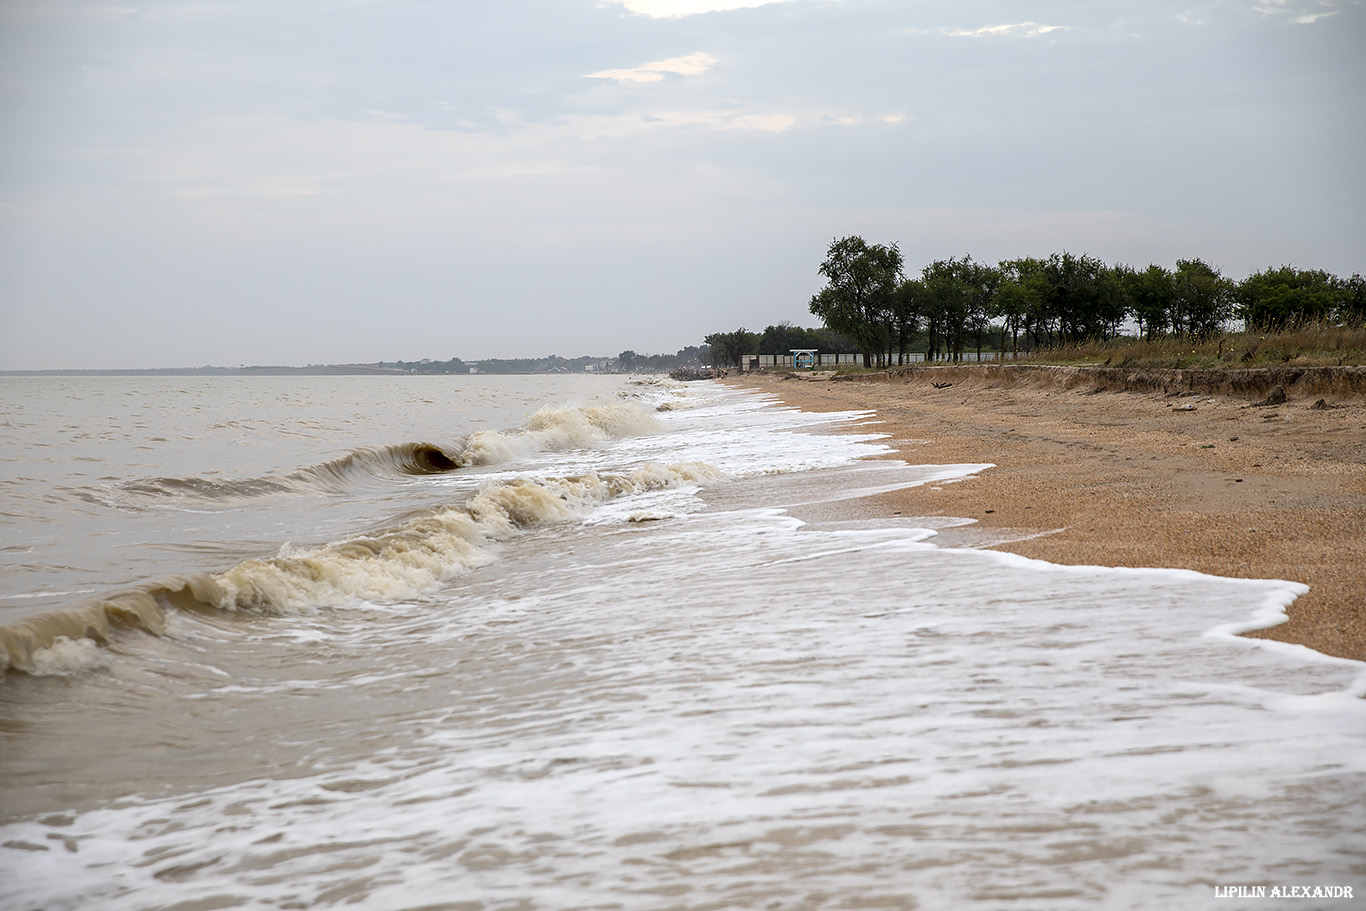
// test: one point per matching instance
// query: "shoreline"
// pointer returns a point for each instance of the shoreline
(1218, 483)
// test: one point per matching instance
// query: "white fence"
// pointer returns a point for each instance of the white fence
(761, 361)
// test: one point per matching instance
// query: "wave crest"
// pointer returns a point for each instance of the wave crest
(383, 463)
(560, 429)
(404, 562)
(548, 430)
(429, 549)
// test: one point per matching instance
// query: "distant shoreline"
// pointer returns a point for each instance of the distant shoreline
(340, 370)
(497, 369)
(453, 367)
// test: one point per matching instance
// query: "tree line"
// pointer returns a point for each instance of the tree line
(870, 305)
(625, 362)
(629, 361)
(727, 348)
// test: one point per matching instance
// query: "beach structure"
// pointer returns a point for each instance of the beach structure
(817, 359)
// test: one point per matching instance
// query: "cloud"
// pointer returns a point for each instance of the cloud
(675, 9)
(688, 65)
(65, 13)
(412, 152)
(1300, 11)
(1019, 29)
(766, 123)
(727, 119)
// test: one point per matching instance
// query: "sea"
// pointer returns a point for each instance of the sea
(542, 643)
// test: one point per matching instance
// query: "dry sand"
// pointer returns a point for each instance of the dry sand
(1147, 476)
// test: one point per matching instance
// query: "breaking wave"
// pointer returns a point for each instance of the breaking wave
(558, 430)
(548, 430)
(385, 463)
(67, 658)
(406, 561)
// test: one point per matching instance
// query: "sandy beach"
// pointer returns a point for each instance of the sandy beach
(1096, 468)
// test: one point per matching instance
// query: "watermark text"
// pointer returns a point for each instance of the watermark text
(1283, 892)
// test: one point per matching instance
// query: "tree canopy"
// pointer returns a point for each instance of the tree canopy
(861, 283)
(1276, 298)
(784, 337)
(727, 348)
(869, 305)
(958, 303)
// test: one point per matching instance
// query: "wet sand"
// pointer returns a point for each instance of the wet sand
(1085, 475)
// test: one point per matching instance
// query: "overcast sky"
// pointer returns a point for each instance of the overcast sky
(265, 182)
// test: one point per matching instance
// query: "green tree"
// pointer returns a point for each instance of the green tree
(1021, 300)
(959, 297)
(909, 306)
(691, 354)
(945, 308)
(1114, 305)
(1152, 298)
(729, 348)
(1202, 300)
(717, 349)
(984, 283)
(1352, 310)
(782, 338)
(861, 281)
(1277, 298)
(1079, 297)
